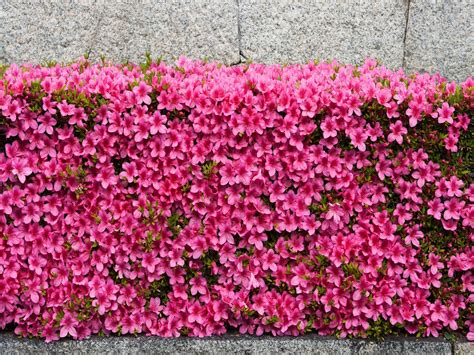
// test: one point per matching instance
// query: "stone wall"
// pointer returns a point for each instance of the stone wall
(418, 35)
(236, 344)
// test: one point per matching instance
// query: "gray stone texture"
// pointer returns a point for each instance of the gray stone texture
(464, 347)
(194, 28)
(37, 31)
(298, 31)
(418, 35)
(228, 344)
(440, 37)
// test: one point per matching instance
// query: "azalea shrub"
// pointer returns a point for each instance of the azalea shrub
(197, 199)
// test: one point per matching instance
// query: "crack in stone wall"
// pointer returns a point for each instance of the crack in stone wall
(405, 34)
(239, 33)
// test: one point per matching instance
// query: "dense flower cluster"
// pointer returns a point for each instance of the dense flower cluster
(197, 198)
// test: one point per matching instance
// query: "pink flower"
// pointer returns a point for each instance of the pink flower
(454, 186)
(435, 263)
(227, 174)
(11, 109)
(157, 122)
(392, 110)
(383, 168)
(329, 128)
(150, 261)
(155, 305)
(78, 117)
(384, 96)
(36, 264)
(451, 317)
(435, 208)
(439, 312)
(402, 213)
(66, 109)
(445, 113)
(358, 138)
(196, 313)
(142, 131)
(50, 334)
(46, 123)
(130, 324)
(141, 93)
(68, 326)
(384, 295)
(453, 206)
(397, 131)
(21, 169)
(198, 285)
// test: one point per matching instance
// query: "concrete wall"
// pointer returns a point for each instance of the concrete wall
(418, 35)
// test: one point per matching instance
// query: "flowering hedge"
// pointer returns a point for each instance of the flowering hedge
(197, 198)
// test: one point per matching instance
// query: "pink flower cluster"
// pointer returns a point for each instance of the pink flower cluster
(198, 198)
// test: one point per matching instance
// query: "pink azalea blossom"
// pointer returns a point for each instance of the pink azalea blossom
(397, 131)
(68, 326)
(192, 198)
(445, 113)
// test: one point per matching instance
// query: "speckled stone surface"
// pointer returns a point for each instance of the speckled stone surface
(298, 31)
(440, 37)
(228, 344)
(43, 30)
(193, 28)
(36, 31)
(418, 35)
(463, 347)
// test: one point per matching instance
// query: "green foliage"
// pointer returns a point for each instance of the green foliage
(208, 168)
